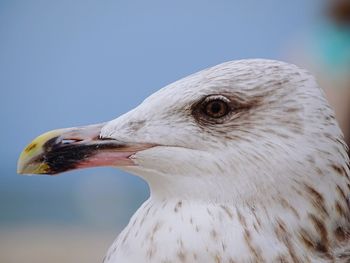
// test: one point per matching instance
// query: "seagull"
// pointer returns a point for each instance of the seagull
(245, 163)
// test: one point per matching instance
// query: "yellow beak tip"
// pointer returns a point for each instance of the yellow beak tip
(26, 165)
(40, 168)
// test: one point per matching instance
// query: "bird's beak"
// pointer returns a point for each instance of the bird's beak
(73, 148)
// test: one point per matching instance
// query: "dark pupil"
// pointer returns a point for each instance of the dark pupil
(216, 107)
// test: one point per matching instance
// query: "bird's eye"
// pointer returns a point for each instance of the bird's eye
(216, 108)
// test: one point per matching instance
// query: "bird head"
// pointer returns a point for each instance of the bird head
(236, 131)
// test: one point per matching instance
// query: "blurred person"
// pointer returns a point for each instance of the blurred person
(326, 53)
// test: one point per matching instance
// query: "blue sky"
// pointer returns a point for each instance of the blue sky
(69, 63)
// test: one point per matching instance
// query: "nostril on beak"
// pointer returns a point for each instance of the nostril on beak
(70, 141)
(100, 138)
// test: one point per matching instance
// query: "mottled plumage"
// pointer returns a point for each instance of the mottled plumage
(270, 183)
(245, 163)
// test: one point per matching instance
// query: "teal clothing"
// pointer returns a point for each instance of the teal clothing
(331, 45)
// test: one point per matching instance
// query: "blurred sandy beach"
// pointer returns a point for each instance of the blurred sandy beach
(54, 244)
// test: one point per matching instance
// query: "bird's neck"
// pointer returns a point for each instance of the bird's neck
(295, 230)
(302, 219)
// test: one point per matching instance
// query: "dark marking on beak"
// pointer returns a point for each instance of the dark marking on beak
(62, 155)
(75, 148)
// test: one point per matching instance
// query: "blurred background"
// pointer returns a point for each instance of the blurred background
(69, 63)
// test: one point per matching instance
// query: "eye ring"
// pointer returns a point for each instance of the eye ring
(216, 107)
